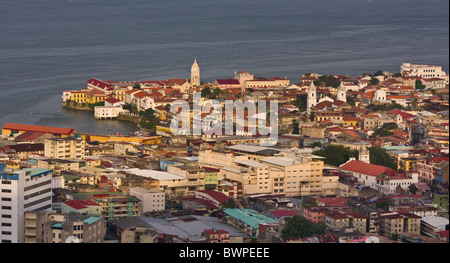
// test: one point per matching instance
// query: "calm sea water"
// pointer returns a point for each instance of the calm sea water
(48, 46)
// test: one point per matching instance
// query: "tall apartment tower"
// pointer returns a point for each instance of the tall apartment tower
(342, 93)
(21, 191)
(312, 98)
(195, 74)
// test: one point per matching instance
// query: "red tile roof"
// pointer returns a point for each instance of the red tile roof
(112, 100)
(443, 233)
(220, 197)
(100, 83)
(227, 81)
(37, 128)
(80, 204)
(365, 168)
(29, 136)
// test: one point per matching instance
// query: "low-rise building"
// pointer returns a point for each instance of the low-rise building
(246, 220)
(151, 200)
(45, 227)
(113, 207)
(399, 222)
(432, 225)
(80, 207)
(107, 112)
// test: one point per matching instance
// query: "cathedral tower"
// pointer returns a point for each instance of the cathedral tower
(342, 93)
(364, 155)
(195, 74)
(312, 97)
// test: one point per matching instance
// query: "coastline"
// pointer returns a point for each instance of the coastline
(121, 117)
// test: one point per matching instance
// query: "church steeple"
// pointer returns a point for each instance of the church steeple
(195, 74)
(312, 98)
(342, 93)
(364, 155)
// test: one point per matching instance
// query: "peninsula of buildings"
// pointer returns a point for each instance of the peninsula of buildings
(358, 159)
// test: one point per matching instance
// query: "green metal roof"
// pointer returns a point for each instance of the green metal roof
(91, 220)
(249, 216)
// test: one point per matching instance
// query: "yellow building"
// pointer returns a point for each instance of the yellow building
(78, 96)
(267, 83)
(106, 138)
(399, 222)
(407, 164)
(95, 96)
(352, 121)
(259, 171)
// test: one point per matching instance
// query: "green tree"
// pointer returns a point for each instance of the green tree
(215, 92)
(385, 130)
(390, 126)
(137, 86)
(316, 144)
(351, 101)
(380, 156)
(148, 119)
(230, 204)
(295, 128)
(378, 73)
(327, 81)
(298, 226)
(374, 81)
(312, 116)
(300, 103)
(383, 205)
(394, 237)
(419, 84)
(413, 189)
(336, 154)
(206, 92)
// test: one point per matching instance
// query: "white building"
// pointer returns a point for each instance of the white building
(312, 98)
(423, 71)
(107, 112)
(21, 191)
(342, 93)
(378, 177)
(195, 74)
(380, 95)
(151, 200)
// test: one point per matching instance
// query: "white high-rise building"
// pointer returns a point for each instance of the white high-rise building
(195, 74)
(312, 97)
(21, 191)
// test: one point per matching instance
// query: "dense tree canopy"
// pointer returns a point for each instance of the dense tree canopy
(380, 156)
(385, 130)
(298, 226)
(149, 120)
(336, 154)
(327, 81)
